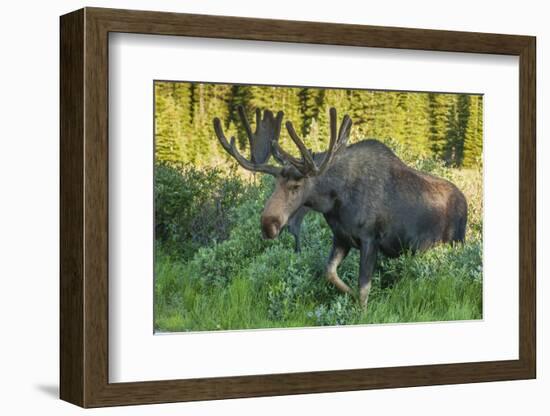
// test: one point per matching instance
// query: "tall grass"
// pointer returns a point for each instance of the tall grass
(234, 279)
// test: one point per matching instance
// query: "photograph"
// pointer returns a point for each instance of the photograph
(300, 206)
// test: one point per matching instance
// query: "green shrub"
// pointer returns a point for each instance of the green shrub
(192, 206)
(341, 311)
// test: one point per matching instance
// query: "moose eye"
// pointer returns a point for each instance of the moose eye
(293, 188)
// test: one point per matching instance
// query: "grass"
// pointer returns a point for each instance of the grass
(244, 282)
(244, 303)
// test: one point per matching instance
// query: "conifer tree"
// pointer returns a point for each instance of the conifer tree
(473, 142)
(167, 125)
(377, 119)
(309, 108)
(439, 117)
(239, 95)
(462, 117)
(360, 111)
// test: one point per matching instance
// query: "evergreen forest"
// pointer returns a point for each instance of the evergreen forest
(448, 127)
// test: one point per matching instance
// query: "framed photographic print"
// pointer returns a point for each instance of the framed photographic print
(255, 207)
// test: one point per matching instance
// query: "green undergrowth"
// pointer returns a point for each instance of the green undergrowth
(213, 271)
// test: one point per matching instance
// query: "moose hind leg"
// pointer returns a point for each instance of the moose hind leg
(367, 260)
(338, 253)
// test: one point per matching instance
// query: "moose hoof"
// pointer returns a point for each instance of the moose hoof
(364, 296)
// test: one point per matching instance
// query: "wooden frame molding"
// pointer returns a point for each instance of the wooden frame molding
(84, 207)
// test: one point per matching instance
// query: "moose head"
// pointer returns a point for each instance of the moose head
(295, 177)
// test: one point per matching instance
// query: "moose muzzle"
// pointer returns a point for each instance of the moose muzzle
(271, 227)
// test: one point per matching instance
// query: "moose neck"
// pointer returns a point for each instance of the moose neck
(324, 193)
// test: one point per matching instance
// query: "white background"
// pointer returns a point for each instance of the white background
(136, 355)
(29, 218)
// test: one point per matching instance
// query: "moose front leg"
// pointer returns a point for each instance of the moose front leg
(367, 260)
(294, 225)
(337, 254)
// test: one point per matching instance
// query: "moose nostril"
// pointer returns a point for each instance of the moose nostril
(270, 227)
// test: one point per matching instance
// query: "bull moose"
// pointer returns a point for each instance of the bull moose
(371, 200)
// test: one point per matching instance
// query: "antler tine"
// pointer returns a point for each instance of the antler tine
(306, 155)
(232, 150)
(345, 129)
(284, 156)
(278, 122)
(307, 166)
(332, 142)
(275, 141)
(337, 140)
(258, 118)
(244, 120)
(268, 128)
